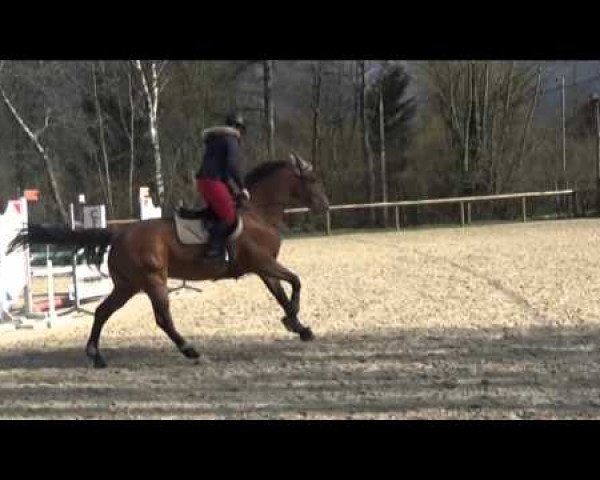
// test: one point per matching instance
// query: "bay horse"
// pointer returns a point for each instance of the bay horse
(145, 254)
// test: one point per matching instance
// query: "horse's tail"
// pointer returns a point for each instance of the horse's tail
(94, 241)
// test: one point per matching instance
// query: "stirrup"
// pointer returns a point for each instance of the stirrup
(214, 254)
(215, 249)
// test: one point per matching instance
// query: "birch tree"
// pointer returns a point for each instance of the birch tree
(102, 140)
(484, 109)
(34, 137)
(149, 77)
(316, 111)
(128, 126)
(391, 111)
(269, 108)
(366, 145)
(384, 197)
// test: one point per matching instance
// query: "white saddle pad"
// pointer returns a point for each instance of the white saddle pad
(193, 232)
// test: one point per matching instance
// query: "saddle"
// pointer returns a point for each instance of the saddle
(193, 225)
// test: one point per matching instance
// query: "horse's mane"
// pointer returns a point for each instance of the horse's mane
(264, 170)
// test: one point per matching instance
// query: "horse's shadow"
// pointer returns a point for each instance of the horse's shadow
(538, 370)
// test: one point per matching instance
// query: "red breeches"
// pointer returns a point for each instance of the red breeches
(217, 196)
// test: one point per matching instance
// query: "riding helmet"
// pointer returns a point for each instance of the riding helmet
(236, 120)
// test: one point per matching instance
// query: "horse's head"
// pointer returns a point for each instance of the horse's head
(306, 188)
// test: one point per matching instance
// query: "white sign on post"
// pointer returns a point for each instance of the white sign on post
(94, 216)
(147, 208)
(14, 268)
(90, 284)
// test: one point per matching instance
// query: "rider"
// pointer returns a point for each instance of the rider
(222, 165)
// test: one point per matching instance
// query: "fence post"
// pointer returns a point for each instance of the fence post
(74, 262)
(573, 203)
(557, 197)
(50, 292)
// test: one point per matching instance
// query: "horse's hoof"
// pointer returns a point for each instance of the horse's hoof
(306, 335)
(190, 352)
(99, 362)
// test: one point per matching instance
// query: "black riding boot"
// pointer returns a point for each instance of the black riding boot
(216, 244)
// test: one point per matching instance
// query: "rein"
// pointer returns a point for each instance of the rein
(275, 204)
(244, 204)
(271, 204)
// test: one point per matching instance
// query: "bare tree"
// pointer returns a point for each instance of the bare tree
(384, 196)
(530, 116)
(41, 150)
(269, 108)
(128, 125)
(366, 145)
(150, 84)
(316, 110)
(468, 128)
(102, 139)
(483, 107)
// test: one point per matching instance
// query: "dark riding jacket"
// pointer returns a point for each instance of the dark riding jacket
(223, 159)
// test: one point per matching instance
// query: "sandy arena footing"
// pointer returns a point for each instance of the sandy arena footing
(485, 322)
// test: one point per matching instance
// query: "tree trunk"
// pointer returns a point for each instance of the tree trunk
(530, 117)
(43, 153)
(128, 125)
(480, 106)
(94, 156)
(151, 95)
(102, 141)
(484, 115)
(467, 144)
(475, 121)
(334, 149)
(160, 188)
(131, 142)
(493, 156)
(317, 77)
(366, 146)
(356, 96)
(505, 117)
(269, 108)
(21, 166)
(339, 117)
(457, 135)
(384, 196)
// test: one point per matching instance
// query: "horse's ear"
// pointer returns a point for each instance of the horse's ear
(304, 165)
(300, 165)
(296, 163)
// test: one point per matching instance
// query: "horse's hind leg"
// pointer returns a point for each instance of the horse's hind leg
(159, 296)
(117, 298)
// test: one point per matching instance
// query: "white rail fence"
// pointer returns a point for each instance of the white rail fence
(464, 204)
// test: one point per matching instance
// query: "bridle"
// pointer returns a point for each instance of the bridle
(300, 168)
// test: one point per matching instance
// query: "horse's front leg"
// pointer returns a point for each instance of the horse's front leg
(291, 309)
(272, 269)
